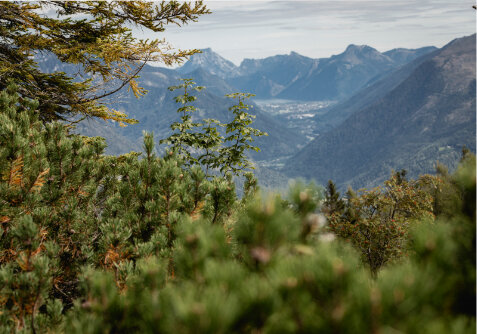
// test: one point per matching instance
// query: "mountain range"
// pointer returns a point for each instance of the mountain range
(156, 110)
(403, 108)
(297, 77)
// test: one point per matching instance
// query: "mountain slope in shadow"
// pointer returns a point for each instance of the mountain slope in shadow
(428, 116)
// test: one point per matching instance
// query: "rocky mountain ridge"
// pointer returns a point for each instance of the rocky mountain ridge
(297, 77)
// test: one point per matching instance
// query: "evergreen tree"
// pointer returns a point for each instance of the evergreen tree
(65, 206)
(270, 282)
(186, 136)
(333, 204)
(47, 205)
(210, 142)
(239, 136)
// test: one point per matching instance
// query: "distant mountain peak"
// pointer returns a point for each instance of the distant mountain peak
(353, 48)
(211, 62)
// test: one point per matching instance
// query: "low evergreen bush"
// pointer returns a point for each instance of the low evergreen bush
(148, 244)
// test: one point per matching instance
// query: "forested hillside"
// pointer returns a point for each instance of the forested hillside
(359, 67)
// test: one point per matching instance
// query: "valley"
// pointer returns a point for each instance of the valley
(300, 116)
(353, 117)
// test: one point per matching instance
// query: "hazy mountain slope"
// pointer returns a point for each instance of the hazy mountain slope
(403, 56)
(213, 83)
(157, 110)
(117, 142)
(256, 83)
(282, 69)
(429, 116)
(340, 76)
(269, 76)
(368, 95)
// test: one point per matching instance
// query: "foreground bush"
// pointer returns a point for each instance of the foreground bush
(98, 244)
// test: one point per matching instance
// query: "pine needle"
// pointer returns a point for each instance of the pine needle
(40, 181)
(14, 175)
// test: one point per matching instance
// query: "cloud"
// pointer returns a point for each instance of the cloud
(239, 29)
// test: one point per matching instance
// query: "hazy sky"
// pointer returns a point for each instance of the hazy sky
(258, 29)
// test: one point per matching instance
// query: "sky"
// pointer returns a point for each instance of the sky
(321, 28)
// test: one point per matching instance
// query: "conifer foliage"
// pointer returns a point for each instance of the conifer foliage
(186, 137)
(143, 243)
(65, 206)
(49, 181)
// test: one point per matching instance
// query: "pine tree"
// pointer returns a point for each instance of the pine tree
(210, 143)
(65, 206)
(333, 204)
(269, 281)
(48, 192)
